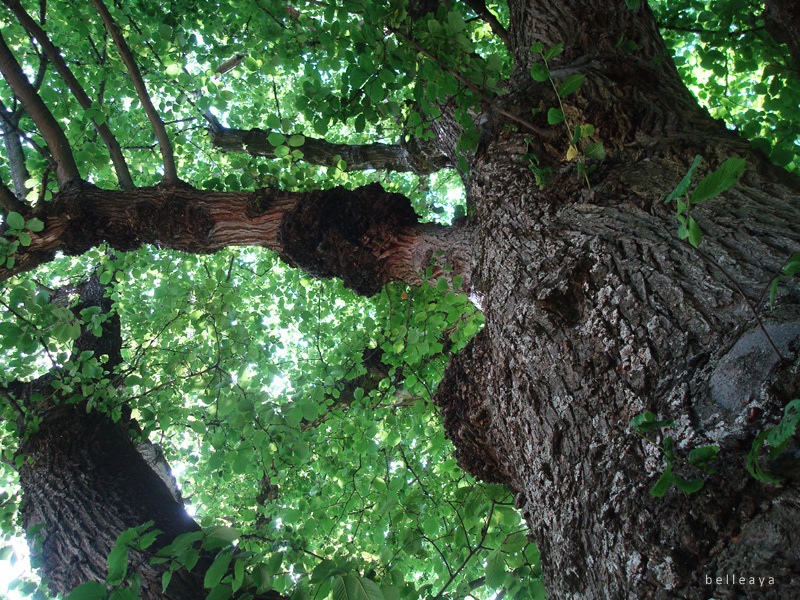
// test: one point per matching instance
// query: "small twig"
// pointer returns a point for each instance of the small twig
(43, 188)
(37, 83)
(472, 552)
(277, 102)
(12, 402)
(170, 171)
(739, 289)
(66, 169)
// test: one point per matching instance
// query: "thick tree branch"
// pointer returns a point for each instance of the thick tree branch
(66, 169)
(54, 56)
(170, 171)
(420, 158)
(367, 237)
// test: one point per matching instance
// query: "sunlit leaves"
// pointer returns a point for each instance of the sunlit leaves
(738, 71)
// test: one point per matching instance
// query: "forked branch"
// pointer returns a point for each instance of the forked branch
(54, 56)
(170, 172)
(66, 169)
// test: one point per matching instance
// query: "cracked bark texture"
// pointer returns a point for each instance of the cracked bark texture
(84, 481)
(596, 312)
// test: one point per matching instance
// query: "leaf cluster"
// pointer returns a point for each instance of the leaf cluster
(698, 459)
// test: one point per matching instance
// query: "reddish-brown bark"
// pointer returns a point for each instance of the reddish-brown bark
(366, 236)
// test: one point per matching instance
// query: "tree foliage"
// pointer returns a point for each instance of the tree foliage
(292, 410)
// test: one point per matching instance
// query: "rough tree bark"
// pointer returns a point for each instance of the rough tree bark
(366, 236)
(596, 312)
(85, 480)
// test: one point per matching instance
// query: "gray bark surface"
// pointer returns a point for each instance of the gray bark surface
(596, 312)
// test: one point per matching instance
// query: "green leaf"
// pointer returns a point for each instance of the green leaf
(275, 138)
(238, 575)
(353, 587)
(217, 570)
(220, 537)
(780, 435)
(595, 150)
(703, 454)
(220, 592)
(773, 289)
(390, 592)
(495, 570)
(570, 84)
(91, 590)
(166, 577)
(792, 266)
(720, 180)
(753, 461)
(117, 565)
(633, 4)
(681, 188)
(296, 140)
(539, 72)
(360, 123)
(688, 486)
(662, 485)
(646, 422)
(554, 116)
(35, 225)
(695, 235)
(14, 220)
(554, 51)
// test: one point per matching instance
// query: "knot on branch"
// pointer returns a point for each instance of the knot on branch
(344, 233)
(466, 416)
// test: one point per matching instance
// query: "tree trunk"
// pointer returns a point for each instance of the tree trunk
(596, 312)
(83, 480)
(86, 483)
